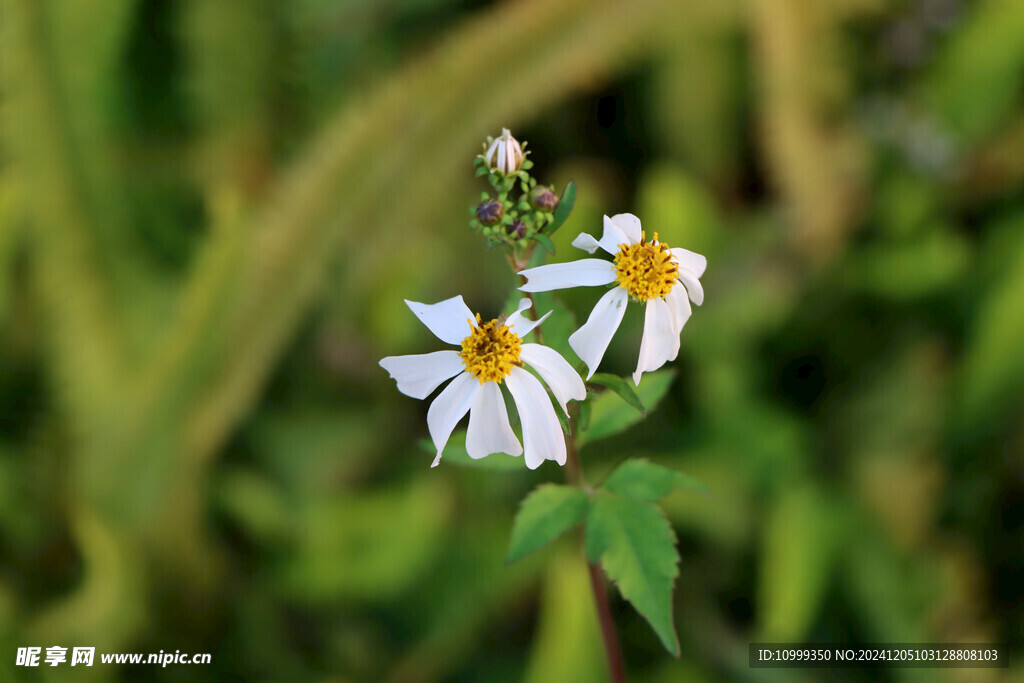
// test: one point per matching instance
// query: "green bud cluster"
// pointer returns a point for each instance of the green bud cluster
(515, 209)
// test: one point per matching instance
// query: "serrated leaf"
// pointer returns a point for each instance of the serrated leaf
(545, 242)
(635, 545)
(610, 416)
(621, 387)
(455, 454)
(563, 209)
(546, 513)
(643, 480)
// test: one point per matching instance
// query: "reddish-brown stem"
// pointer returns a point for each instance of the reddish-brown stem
(616, 667)
(574, 475)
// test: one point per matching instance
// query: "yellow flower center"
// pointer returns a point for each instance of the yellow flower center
(646, 270)
(490, 351)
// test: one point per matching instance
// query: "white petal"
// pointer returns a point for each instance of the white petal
(448, 408)
(628, 224)
(420, 374)
(690, 260)
(499, 158)
(489, 430)
(693, 286)
(587, 243)
(614, 236)
(679, 306)
(564, 382)
(542, 435)
(591, 341)
(587, 272)
(489, 154)
(522, 325)
(661, 339)
(516, 316)
(448, 319)
(516, 152)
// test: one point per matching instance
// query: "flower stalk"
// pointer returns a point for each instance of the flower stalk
(598, 588)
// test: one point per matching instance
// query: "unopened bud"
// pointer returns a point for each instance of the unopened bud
(505, 155)
(490, 212)
(544, 199)
(517, 230)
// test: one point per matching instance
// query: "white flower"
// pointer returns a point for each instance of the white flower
(491, 352)
(644, 271)
(505, 155)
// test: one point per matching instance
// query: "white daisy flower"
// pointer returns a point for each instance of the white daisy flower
(492, 351)
(505, 153)
(666, 279)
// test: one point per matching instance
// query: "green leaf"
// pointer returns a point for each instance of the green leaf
(547, 513)
(643, 480)
(455, 454)
(563, 209)
(636, 546)
(610, 416)
(620, 387)
(545, 242)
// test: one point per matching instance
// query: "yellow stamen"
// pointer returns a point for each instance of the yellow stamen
(490, 351)
(646, 269)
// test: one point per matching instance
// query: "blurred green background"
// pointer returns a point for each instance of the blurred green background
(211, 210)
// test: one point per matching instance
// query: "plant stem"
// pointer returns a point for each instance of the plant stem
(616, 667)
(535, 314)
(574, 475)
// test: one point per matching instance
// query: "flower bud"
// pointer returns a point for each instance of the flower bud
(517, 230)
(544, 199)
(490, 212)
(505, 155)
